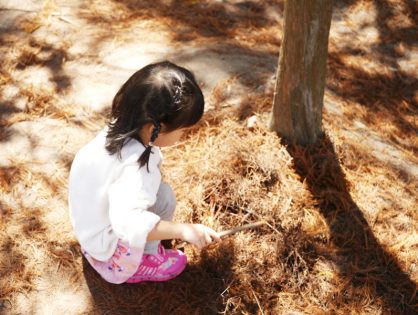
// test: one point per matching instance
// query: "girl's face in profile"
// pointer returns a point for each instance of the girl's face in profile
(169, 138)
(164, 139)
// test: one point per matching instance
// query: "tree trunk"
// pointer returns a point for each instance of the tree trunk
(299, 92)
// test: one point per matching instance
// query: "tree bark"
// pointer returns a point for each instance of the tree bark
(299, 93)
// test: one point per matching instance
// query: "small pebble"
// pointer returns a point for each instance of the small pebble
(252, 122)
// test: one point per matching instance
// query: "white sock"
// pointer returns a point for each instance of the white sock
(151, 247)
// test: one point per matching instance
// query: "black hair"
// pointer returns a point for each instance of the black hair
(159, 93)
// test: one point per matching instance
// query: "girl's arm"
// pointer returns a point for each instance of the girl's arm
(196, 234)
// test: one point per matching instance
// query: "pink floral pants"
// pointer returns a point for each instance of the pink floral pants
(121, 266)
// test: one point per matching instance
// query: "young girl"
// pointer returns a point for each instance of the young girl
(119, 208)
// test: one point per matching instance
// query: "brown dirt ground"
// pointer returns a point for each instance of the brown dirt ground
(343, 223)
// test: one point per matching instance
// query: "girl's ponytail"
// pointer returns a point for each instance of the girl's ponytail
(144, 158)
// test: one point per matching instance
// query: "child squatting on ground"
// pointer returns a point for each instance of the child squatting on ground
(119, 208)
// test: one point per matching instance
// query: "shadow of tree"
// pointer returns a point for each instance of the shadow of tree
(364, 262)
(198, 290)
(218, 25)
(13, 275)
(386, 97)
(237, 61)
(392, 33)
(206, 19)
(46, 55)
(29, 52)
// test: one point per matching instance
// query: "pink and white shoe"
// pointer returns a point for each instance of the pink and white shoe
(165, 265)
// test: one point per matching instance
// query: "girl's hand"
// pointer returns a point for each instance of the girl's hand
(199, 235)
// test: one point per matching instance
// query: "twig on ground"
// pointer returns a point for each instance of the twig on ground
(265, 221)
(241, 228)
(62, 18)
(18, 9)
(234, 230)
(258, 302)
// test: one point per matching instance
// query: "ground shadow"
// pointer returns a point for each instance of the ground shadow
(217, 24)
(212, 19)
(46, 55)
(13, 266)
(364, 262)
(29, 52)
(392, 33)
(198, 290)
(27, 223)
(388, 96)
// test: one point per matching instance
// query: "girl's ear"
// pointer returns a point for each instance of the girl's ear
(149, 128)
(145, 133)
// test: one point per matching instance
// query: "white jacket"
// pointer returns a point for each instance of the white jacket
(109, 197)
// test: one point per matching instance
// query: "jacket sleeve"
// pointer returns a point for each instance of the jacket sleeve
(130, 195)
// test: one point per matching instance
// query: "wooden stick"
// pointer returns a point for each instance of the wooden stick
(234, 230)
(241, 228)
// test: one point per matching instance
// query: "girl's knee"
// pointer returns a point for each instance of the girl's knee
(167, 200)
